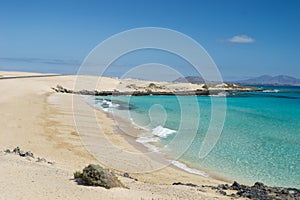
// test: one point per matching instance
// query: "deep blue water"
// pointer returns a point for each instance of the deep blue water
(260, 140)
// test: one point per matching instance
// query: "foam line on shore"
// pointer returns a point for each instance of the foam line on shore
(188, 169)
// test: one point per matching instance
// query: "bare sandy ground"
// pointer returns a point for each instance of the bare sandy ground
(35, 118)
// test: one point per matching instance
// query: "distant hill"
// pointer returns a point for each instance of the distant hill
(190, 79)
(271, 80)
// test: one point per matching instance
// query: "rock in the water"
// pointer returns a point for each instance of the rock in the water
(94, 175)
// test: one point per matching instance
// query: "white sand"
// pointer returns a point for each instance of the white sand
(35, 118)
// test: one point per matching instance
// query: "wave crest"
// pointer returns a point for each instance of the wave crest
(162, 132)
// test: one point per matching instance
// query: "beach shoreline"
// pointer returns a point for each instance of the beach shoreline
(37, 119)
(46, 127)
(125, 126)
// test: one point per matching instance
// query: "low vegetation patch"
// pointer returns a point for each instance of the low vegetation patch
(95, 175)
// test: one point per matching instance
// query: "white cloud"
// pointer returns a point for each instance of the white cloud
(241, 39)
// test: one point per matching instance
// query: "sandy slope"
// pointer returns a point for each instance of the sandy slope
(35, 118)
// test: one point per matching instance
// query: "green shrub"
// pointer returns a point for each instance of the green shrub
(152, 85)
(77, 174)
(95, 175)
(205, 86)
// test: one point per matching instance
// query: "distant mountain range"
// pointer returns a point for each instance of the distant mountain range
(271, 80)
(261, 80)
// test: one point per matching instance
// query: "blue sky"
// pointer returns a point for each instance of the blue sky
(245, 38)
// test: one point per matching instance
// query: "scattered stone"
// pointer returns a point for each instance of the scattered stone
(7, 151)
(17, 151)
(258, 191)
(50, 163)
(28, 155)
(224, 186)
(186, 184)
(41, 160)
(126, 175)
(22, 154)
(258, 185)
(236, 186)
(94, 175)
(222, 192)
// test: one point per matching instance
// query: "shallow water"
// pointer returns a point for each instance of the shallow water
(260, 140)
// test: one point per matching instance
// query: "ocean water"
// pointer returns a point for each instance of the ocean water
(260, 140)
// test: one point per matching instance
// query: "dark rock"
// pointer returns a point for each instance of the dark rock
(224, 186)
(191, 185)
(235, 186)
(94, 175)
(214, 187)
(233, 195)
(41, 159)
(222, 192)
(186, 184)
(126, 175)
(7, 151)
(22, 154)
(29, 154)
(258, 185)
(260, 191)
(17, 151)
(178, 183)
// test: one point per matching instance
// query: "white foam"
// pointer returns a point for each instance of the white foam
(147, 139)
(190, 170)
(162, 132)
(151, 147)
(104, 105)
(220, 94)
(270, 91)
(137, 126)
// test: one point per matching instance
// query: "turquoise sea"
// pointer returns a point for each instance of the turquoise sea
(260, 140)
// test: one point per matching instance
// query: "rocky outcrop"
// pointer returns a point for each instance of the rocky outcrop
(198, 92)
(95, 175)
(19, 152)
(27, 154)
(258, 191)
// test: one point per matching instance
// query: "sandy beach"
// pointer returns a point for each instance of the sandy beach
(36, 118)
